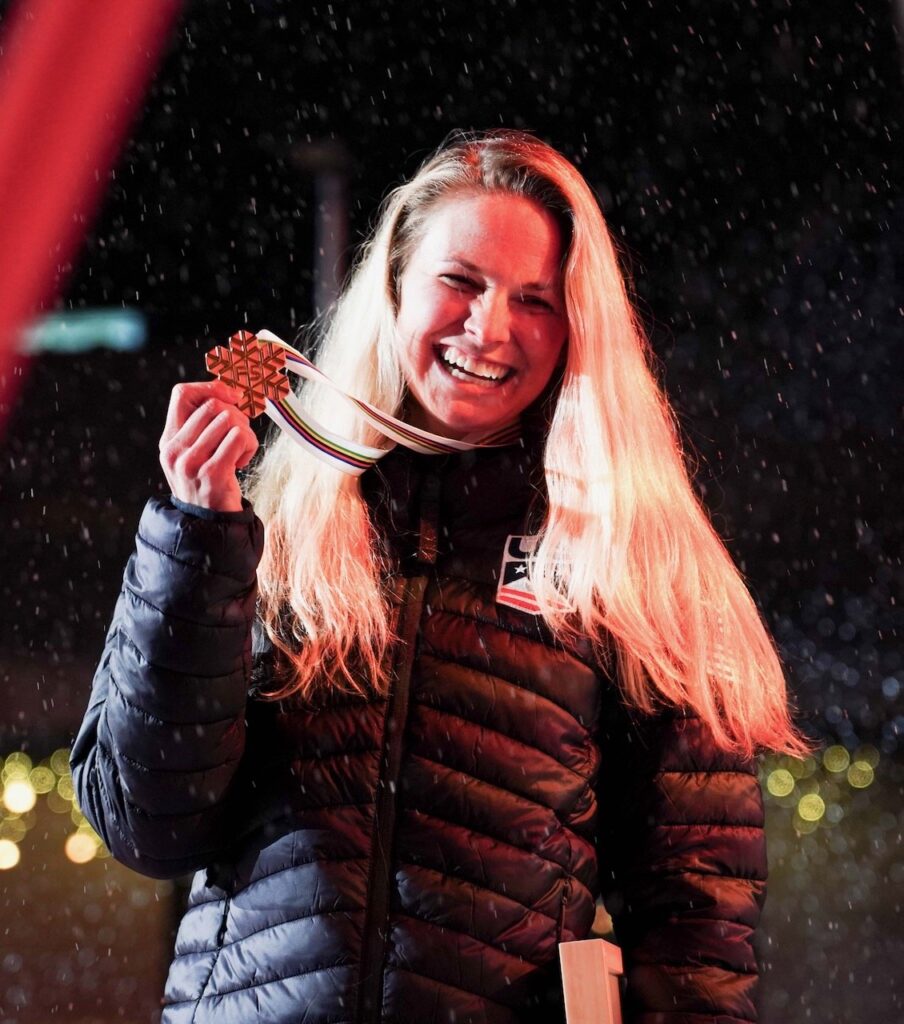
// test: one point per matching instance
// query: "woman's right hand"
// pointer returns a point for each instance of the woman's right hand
(205, 440)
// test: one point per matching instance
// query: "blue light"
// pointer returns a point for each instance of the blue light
(123, 330)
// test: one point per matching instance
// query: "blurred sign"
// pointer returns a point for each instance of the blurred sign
(123, 330)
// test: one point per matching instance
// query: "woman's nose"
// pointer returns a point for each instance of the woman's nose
(489, 320)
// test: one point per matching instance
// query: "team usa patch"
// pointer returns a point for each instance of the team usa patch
(514, 586)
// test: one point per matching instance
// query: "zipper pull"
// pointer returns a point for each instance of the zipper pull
(428, 523)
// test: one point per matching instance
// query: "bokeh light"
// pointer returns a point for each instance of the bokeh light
(81, 847)
(42, 779)
(834, 813)
(16, 766)
(13, 827)
(836, 759)
(811, 807)
(800, 768)
(22, 783)
(19, 795)
(803, 826)
(868, 754)
(9, 854)
(57, 803)
(780, 782)
(860, 775)
(65, 788)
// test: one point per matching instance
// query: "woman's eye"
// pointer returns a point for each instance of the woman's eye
(458, 281)
(536, 302)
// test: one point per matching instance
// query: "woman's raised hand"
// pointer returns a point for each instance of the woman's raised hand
(205, 440)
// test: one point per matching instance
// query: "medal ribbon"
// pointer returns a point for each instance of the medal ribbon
(285, 410)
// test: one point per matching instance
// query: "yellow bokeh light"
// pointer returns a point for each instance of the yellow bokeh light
(868, 754)
(80, 848)
(19, 796)
(811, 807)
(59, 761)
(836, 759)
(860, 775)
(13, 828)
(800, 768)
(57, 804)
(804, 827)
(16, 766)
(42, 779)
(780, 782)
(9, 854)
(65, 788)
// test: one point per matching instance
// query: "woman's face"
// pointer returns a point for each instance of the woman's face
(481, 320)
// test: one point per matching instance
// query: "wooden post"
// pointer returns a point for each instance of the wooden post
(590, 972)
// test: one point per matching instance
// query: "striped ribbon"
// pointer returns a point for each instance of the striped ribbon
(350, 456)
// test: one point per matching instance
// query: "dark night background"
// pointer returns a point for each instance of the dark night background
(747, 155)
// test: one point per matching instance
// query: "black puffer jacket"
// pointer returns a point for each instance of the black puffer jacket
(414, 860)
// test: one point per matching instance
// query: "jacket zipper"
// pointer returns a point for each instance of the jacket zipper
(563, 909)
(221, 938)
(376, 928)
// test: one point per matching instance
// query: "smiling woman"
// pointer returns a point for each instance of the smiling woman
(481, 320)
(408, 726)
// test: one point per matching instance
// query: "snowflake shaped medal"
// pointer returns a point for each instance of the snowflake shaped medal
(251, 367)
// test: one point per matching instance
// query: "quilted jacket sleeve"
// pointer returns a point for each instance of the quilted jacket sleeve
(164, 731)
(683, 870)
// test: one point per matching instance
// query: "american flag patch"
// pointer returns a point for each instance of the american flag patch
(514, 586)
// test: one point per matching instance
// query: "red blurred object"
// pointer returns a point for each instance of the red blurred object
(71, 76)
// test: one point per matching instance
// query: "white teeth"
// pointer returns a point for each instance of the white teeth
(476, 367)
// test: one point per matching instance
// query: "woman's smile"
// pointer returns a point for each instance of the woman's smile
(465, 367)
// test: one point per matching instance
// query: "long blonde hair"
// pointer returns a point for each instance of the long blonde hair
(626, 556)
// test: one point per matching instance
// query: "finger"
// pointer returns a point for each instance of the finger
(243, 438)
(237, 446)
(177, 453)
(200, 437)
(186, 433)
(224, 459)
(185, 398)
(214, 483)
(252, 446)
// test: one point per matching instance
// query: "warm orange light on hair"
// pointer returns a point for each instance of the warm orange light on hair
(626, 554)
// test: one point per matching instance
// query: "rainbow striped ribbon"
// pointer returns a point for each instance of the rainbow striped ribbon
(350, 456)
